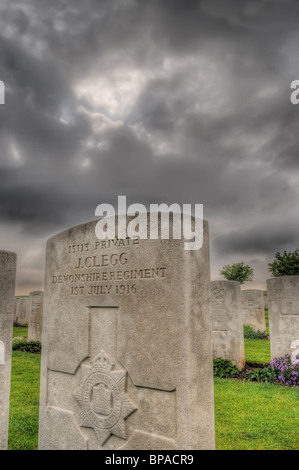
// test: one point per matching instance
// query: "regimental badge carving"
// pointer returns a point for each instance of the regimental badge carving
(103, 398)
(218, 295)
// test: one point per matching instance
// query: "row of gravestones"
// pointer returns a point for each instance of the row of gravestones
(29, 311)
(232, 308)
(127, 357)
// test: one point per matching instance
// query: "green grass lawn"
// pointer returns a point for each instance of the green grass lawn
(20, 331)
(257, 350)
(24, 401)
(256, 416)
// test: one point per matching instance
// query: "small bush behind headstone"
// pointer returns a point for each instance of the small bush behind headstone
(267, 375)
(286, 264)
(239, 272)
(223, 368)
(249, 333)
(21, 344)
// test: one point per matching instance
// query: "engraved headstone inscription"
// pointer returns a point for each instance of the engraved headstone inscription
(253, 309)
(35, 316)
(7, 290)
(283, 305)
(127, 344)
(228, 336)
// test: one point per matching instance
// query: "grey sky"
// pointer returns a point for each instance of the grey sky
(162, 101)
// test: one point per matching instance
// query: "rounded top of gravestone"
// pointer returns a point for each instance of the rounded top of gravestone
(89, 228)
(257, 291)
(287, 275)
(226, 281)
(282, 279)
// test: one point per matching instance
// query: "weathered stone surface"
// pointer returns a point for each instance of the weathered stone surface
(21, 308)
(35, 316)
(252, 302)
(127, 344)
(283, 305)
(228, 336)
(7, 289)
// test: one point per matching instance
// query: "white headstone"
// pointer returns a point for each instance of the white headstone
(253, 308)
(283, 305)
(7, 290)
(228, 335)
(21, 310)
(127, 344)
(35, 316)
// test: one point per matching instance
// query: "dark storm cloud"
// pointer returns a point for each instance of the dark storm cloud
(167, 101)
(263, 239)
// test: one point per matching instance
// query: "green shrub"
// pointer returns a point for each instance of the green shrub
(266, 375)
(285, 265)
(224, 368)
(18, 339)
(239, 272)
(21, 344)
(249, 333)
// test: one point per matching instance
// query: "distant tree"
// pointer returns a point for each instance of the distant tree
(286, 264)
(237, 272)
